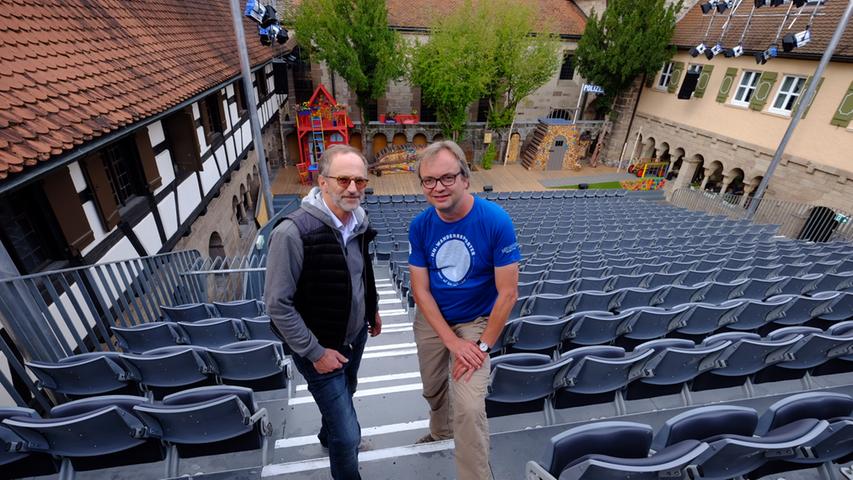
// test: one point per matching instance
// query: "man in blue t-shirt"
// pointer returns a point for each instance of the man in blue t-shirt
(464, 274)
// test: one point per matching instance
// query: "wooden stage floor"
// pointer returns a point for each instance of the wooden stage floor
(504, 178)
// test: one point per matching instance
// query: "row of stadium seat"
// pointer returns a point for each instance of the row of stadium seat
(206, 332)
(523, 382)
(196, 311)
(805, 430)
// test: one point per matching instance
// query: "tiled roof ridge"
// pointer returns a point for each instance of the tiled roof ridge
(75, 70)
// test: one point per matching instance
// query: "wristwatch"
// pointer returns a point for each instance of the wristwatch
(484, 347)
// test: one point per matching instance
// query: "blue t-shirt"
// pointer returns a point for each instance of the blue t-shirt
(461, 257)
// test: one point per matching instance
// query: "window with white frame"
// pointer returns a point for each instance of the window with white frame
(665, 75)
(788, 94)
(748, 82)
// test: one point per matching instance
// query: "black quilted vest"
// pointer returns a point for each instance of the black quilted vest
(323, 293)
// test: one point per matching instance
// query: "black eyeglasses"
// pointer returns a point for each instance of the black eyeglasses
(446, 180)
(343, 182)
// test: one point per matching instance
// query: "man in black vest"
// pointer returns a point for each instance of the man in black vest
(321, 296)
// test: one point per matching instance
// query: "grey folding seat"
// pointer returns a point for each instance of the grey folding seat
(537, 333)
(682, 266)
(85, 374)
(545, 247)
(845, 265)
(695, 277)
(555, 274)
(187, 313)
(764, 271)
(705, 318)
(793, 269)
(530, 276)
(519, 308)
(592, 284)
(546, 304)
(257, 363)
(675, 362)
(835, 444)
(587, 300)
(649, 323)
(212, 332)
(205, 420)
(813, 347)
(754, 314)
(16, 460)
(658, 279)
(801, 309)
(93, 433)
(840, 309)
(527, 288)
(706, 423)
(747, 354)
(654, 267)
(609, 244)
(766, 261)
(146, 336)
(520, 383)
(598, 372)
(564, 264)
(825, 267)
(536, 265)
(610, 450)
(719, 292)
(593, 272)
(728, 275)
(713, 262)
(680, 295)
(555, 287)
(593, 263)
(842, 281)
(623, 270)
(761, 288)
(169, 369)
(620, 281)
(239, 308)
(593, 327)
(638, 297)
(259, 328)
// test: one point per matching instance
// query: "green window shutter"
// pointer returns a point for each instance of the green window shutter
(726, 86)
(762, 90)
(704, 79)
(844, 113)
(675, 79)
(803, 92)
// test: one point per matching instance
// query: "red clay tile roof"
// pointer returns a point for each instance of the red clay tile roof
(691, 29)
(73, 70)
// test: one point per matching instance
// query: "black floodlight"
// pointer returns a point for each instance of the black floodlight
(698, 50)
(762, 57)
(713, 51)
(796, 40)
(269, 17)
(760, 3)
(723, 5)
(734, 52)
(264, 34)
(707, 7)
(776, 3)
(799, 3)
(282, 36)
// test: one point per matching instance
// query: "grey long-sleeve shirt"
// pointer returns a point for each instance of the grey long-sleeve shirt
(284, 267)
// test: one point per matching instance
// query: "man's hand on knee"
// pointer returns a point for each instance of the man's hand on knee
(330, 361)
(462, 372)
(466, 352)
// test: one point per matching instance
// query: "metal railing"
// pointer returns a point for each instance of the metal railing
(795, 220)
(230, 278)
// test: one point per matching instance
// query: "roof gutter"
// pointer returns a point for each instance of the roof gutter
(50, 165)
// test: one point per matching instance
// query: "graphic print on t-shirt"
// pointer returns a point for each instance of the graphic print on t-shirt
(452, 256)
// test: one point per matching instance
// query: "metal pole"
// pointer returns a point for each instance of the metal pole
(805, 100)
(236, 16)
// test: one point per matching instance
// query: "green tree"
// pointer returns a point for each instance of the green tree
(453, 67)
(630, 38)
(353, 38)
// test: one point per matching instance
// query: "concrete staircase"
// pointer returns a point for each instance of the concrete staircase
(528, 156)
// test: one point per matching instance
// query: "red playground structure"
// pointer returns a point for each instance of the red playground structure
(320, 123)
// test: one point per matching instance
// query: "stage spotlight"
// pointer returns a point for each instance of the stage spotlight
(707, 7)
(282, 36)
(734, 52)
(723, 5)
(776, 3)
(698, 50)
(269, 17)
(796, 40)
(264, 34)
(799, 3)
(713, 51)
(762, 57)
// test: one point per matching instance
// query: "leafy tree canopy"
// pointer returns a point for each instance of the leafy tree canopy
(354, 40)
(629, 39)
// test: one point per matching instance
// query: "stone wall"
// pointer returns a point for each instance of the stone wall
(796, 179)
(569, 132)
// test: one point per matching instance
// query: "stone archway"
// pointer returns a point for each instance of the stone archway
(419, 139)
(676, 163)
(215, 246)
(713, 176)
(437, 138)
(380, 141)
(399, 139)
(648, 151)
(355, 141)
(733, 182)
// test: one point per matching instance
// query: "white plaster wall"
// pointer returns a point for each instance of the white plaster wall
(188, 198)
(156, 134)
(246, 130)
(146, 232)
(72, 314)
(209, 177)
(77, 177)
(168, 215)
(95, 225)
(221, 159)
(229, 149)
(166, 169)
(123, 250)
(202, 141)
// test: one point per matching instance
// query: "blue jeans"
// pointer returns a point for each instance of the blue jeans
(340, 431)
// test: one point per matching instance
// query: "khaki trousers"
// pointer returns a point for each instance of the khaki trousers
(457, 409)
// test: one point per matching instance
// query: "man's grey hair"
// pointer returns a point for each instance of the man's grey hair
(334, 151)
(433, 149)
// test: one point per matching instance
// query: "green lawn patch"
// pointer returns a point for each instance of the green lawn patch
(594, 186)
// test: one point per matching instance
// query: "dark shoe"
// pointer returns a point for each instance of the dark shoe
(429, 438)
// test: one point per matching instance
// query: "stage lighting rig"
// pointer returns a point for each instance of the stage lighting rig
(796, 40)
(713, 51)
(698, 50)
(734, 52)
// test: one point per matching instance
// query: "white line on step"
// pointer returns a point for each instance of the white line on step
(369, 392)
(368, 456)
(383, 285)
(386, 292)
(365, 432)
(393, 312)
(386, 301)
(392, 346)
(392, 353)
(375, 379)
(386, 329)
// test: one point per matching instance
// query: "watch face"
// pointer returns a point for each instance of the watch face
(484, 347)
